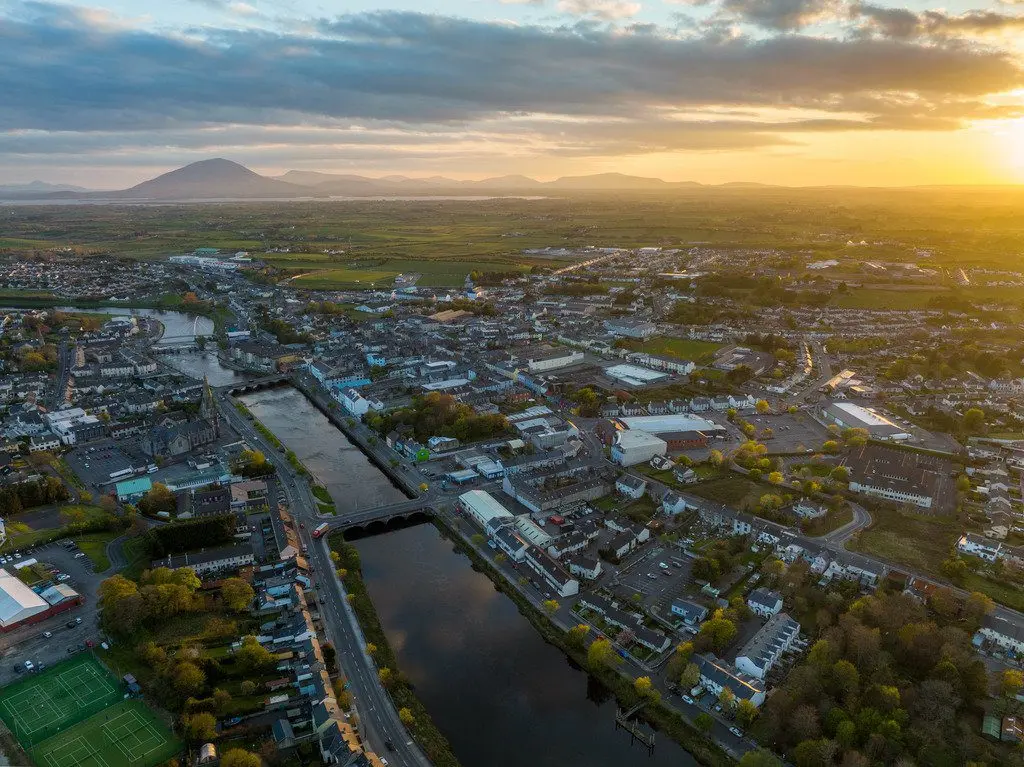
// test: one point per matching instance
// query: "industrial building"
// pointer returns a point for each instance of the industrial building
(483, 509)
(895, 475)
(636, 446)
(20, 605)
(846, 415)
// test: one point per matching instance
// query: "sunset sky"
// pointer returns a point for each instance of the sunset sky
(106, 93)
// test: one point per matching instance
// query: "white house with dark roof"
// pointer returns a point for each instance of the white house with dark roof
(764, 602)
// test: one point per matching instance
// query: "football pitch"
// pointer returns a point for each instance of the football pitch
(73, 714)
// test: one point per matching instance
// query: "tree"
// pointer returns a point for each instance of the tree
(830, 446)
(248, 687)
(236, 594)
(222, 699)
(188, 679)
(108, 503)
(704, 722)
(715, 458)
(576, 635)
(954, 568)
(974, 420)
(643, 686)
(601, 653)
(762, 406)
(1010, 682)
(690, 677)
(406, 716)
(551, 606)
(716, 632)
(776, 478)
(237, 757)
(963, 483)
(252, 656)
(157, 499)
(199, 727)
(726, 697)
(386, 676)
(760, 757)
(978, 605)
(746, 713)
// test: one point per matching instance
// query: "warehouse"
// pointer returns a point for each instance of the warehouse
(636, 446)
(846, 415)
(667, 424)
(20, 605)
(482, 508)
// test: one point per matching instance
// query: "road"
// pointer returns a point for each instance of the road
(379, 724)
(839, 536)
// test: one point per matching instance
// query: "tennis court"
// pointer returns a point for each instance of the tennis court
(42, 705)
(126, 734)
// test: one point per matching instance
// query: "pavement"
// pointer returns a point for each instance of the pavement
(379, 724)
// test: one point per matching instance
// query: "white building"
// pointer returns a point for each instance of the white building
(626, 328)
(635, 446)
(1005, 633)
(764, 602)
(630, 486)
(355, 403)
(17, 601)
(482, 508)
(553, 360)
(764, 649)
(978, 546)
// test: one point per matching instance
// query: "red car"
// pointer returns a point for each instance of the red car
(88, 643)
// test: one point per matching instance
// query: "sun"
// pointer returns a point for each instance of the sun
(1010, 136)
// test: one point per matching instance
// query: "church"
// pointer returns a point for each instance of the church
(173, 436)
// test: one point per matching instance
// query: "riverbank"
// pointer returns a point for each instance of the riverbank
(657, 714)
(420, 725)
(329, 408)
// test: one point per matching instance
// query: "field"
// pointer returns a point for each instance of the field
(682, 348)
(73, 714)
(125, 735)
(904, 297)
(916, 540)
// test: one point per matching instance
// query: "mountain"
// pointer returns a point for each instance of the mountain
(608, 181)
(509, 182)
(39, 187)
(210, 179)
(316, 178)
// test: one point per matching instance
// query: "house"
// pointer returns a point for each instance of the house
(630, 486)
(673, 503)
(692, 613)
(764, 649)
(808, 509)
(551, 573)
(978, 546)
(1005, 633)
(215, 560)
(764, 602)
(716, 675)
(584, 566)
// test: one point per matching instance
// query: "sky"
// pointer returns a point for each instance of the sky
(107, 93)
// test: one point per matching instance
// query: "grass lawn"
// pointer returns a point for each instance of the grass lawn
(94, 546)
(339, 279)
(731, 490)
(681, 348)
(1003, 593)
(136, 553)
(915, 540)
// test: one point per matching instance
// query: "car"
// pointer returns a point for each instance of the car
(89, 643)
(70, 624)
(736, 731)
(676, 563)
(718, 707)
(18, 668)
(688, 699)
(390, 745)
(79, 555)
(71, 650)
(29, 665)
(47, 634)
(662, 565)
(383, 761)
(652, 576)
(667, 573)
(78, 620)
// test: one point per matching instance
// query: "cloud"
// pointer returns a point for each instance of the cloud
(903, 24)
(606, 10)
(781, 15)
(364, 85)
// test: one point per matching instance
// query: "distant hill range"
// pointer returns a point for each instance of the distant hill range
(219, 178)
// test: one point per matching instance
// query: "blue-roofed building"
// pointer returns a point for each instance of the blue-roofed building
(133, 489)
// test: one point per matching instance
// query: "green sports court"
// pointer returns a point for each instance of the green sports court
(74, 714)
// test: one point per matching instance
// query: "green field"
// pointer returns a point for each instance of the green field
(883, 298)
(127, 734)
(917, 540)
(341, 279)
(43, 705)
(73, 715)
(681, 348)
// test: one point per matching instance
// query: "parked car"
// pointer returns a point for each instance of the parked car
(688, 699)
(736, 731)
(29, 665)
(78, 620)
(652, 576)
(47, 634)
(662, 565)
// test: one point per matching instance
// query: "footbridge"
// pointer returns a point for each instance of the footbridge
(255, 384)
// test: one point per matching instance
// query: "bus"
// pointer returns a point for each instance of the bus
(320, 530)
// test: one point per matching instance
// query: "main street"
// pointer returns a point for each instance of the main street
(380, 728)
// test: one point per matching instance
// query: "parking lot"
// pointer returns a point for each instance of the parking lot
(30, 642)
(791, 432)
(659, 575)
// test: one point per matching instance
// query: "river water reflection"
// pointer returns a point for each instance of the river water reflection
(502, 696)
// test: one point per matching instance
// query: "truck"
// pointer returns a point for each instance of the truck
(320, 529)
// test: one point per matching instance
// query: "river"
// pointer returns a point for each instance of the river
(502, 696)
